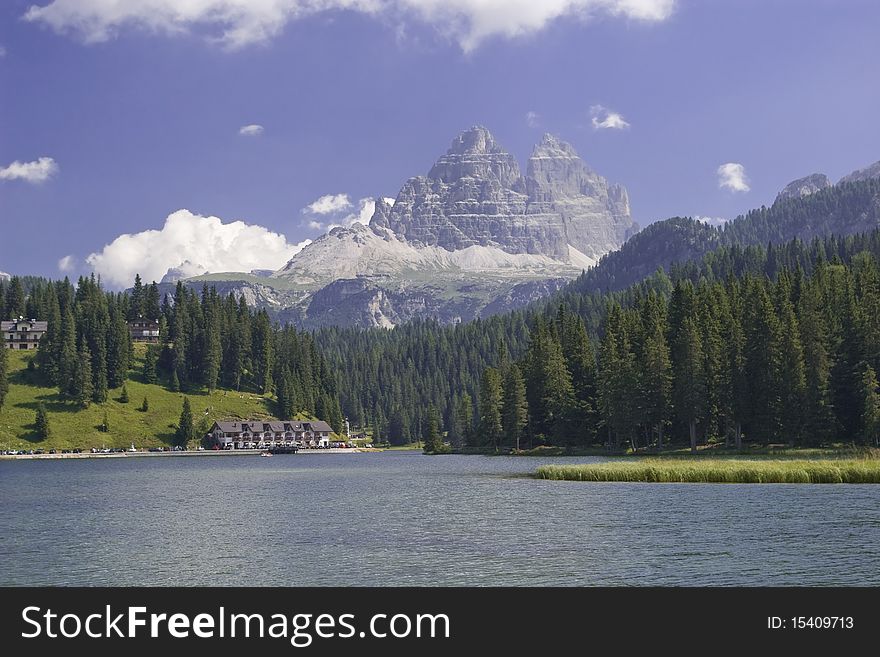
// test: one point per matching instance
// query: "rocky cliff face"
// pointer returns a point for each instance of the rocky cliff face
(472, 237)
(872, 171)
(804, 186)
(476, 195)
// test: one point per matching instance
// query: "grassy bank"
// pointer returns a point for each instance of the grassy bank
(73, 426)
(729, 471)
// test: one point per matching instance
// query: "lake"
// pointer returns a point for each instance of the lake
(401, 518)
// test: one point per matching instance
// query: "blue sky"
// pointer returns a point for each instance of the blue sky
(140, 110)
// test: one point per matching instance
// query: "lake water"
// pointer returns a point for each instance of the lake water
(400, 518)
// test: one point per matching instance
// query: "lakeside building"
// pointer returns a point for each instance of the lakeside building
(246, 434)
(23, 333)
(144, 330)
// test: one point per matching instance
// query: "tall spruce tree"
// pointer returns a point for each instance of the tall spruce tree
(185, 426)
(762, 363)
(490, 429)
(41, 423)
(657, 379)
(514, 414)
(689, 391)
(433, 437)
(870, 408)
(82, 387)
(4, 375)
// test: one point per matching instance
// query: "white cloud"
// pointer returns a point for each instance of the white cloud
(604, 119)
(194, 245)
(33, 172)
(237, 23)
(2, 51)
(328, 204)
(337, 210)
(252, 130)
(533, 119)
(712, 221)
(67, 264)
(732, 176)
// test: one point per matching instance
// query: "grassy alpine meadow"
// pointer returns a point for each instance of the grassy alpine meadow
(73, 426)
(724, 471)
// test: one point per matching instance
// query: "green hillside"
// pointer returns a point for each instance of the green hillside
(73, 426)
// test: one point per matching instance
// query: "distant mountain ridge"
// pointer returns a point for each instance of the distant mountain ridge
(473, 236)
(846, 208)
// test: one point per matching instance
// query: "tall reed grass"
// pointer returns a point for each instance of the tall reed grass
(729, 471)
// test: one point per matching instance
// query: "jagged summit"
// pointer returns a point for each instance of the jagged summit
(552, 146)
(804, 186)
(871, 171)
(475, 154)
(476, 139)
(475, 194)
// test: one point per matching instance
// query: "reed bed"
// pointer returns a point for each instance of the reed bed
(726, 471)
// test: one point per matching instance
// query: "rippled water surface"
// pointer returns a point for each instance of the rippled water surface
(400, 518)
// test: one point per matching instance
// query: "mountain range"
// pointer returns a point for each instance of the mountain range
(474, 236)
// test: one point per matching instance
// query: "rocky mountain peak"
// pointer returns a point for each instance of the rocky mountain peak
(871, 171)
(552, 146)
(804, 186)
(476, 195)
(475, 154)
(476, 140)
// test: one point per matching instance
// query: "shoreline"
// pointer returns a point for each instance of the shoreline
(207, 452)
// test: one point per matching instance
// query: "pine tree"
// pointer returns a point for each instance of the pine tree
(123, 398)
(580, 360)
(791, 375)
(118, 349)
(68, 358)
(48, 356)
(41, 422)
(871, 408)
(514, 414)
(819, 418)
(762, 363)
(433, 438)
(151, 359)
(145, 406)
(15, 299)
(175, 382)
(99, 372)
(185, 427)
(464, 421)
(689, 390)
(490, 408)
(212, 355)
(657, 380)
(105, 423)
(82, 390)
(4, 375)
(136, 299)
(152, 311)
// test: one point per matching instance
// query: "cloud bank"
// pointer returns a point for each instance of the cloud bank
(67, 264)
(238, 23)
(604, 119)
(252, 130)
(732, 176)
(190, 244)
(33, 172)
(335, 210)
(328, 204)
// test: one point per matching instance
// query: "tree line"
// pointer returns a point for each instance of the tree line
(624, 360)
(207, 341)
